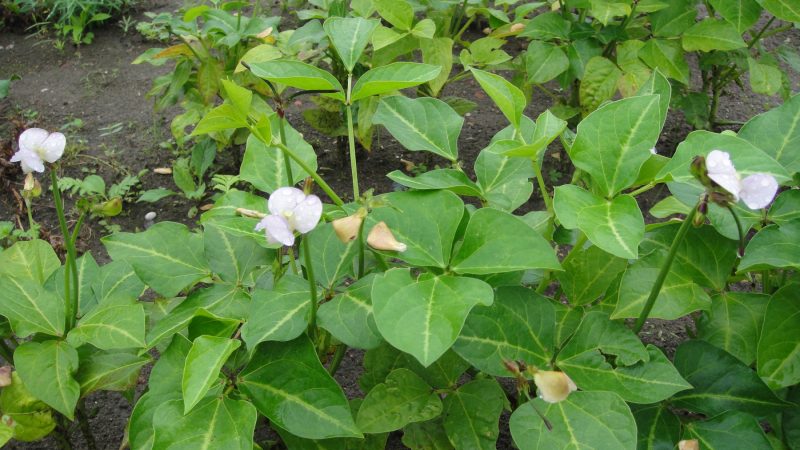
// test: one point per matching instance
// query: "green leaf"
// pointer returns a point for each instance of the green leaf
(730, 429)
(544, 62)
(547, 26)
(279, 314)
(424, 317)
(398, 13)
(734, 323)
(393, 77)
(614, 142)
(777, 132)
(721, 383)
(704, 256)
(230, 256)
(34, 260)
(504, 180)
(639, 375)
(519, 326)
(348, 316)
(402, 399)
(548, 128)
(164, 385)
(588, 274)
(349, 36)
(109, 371)
(596, 420)
(779, 348)
(117, 280)
(787, 10)
(742, 14)
(712, 34)
(679, 295)
(659, 85)
(168, 257)
(453, 180)
(33, 419)
(672, 21)
(217, 422)
(30, 308)
(410, 215)
(47, 369)
(223, 117)
(203, 363)
(569, 200)
(599, 83)
(117, 325)
(331, 259)
(616, 226)
(312, 406)
(508, 98)
(428, 435)
(239, 97)
(298, 75)
(667, 56)
(773, 247)
(472, 414)
(225, 300)
(421, 124)
(264, 165)
(439, 52)
(605, 11)
(497, 242)
(380, 361)
(658, 428)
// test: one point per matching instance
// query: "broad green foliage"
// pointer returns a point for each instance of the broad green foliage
(466, 311)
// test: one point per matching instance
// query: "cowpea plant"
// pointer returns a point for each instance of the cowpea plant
(446, 298)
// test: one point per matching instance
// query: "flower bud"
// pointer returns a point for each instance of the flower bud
(109, 208)
(517, 27)
(689, 444)
(5, 376)
(163, 170)
(347, 227)
(553, 386)
(381, 238)
(511, 366)
(31, 188)
(698, 169)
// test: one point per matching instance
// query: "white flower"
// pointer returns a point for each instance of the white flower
(553, 386)
(756, 190)
(381, 238)
(290, 210)
(36, 146)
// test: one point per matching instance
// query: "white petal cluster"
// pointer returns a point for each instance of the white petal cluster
(290, 210)
(553, 386)
(756, 190)
(37, 146)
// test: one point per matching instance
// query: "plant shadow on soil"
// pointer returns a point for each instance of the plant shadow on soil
(98, 84)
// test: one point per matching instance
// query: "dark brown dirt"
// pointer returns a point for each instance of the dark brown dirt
(98, 85)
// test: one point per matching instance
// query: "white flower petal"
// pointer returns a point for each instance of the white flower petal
(758, 190)
(29, 161)
(53, 147)
(31, 138)
(277, 230)
(285, 199)
(721, 171)
(307, 214)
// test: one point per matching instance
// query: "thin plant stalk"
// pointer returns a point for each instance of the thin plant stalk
(662, 274)
(289, 176)
(70, 269)
(548, 203)
(338, 356)
(351, 141)
(312, 285)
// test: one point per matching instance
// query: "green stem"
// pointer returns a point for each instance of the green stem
(457, 37)
(70, 259)
(31, 224)
(338, 356)
(286, 162)
(361, 249)
(75, 284)
(292, 261)
(549, 93)
(766, 283)
(662, 274)
(739, 229)
(351, 140)
(83, 423)
(312, 285)
(642, 189)
(548, 203)
(322, 184)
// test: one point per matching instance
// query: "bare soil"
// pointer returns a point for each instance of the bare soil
(98, 85)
